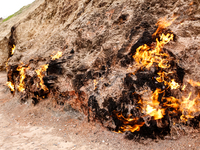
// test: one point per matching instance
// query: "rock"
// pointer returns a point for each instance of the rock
(4, 52)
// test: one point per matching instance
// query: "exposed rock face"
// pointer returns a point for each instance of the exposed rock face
(98, 40)
(4, 51)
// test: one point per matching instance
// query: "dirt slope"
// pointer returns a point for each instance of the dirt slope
(96, 78)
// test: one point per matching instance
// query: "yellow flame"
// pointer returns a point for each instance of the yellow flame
(40, 73)
(95, 84)
(22, 70)
(11, 86)
(183, 88)
(57, 56)
(189, 107)
(146, 56)
(13, 50)
(156, 113)
(173, 84)
(153, 106)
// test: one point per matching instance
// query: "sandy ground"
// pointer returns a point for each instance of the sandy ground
(24, 127)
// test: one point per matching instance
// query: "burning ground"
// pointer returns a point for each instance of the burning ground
(130, 66)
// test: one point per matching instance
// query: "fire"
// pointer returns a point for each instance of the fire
(193, 83)
(173, 85)
(156, 113)
(172, 102)
(157, 104)
(146, 56)
(130, 124)
(13, 50)
(163, 23)
(11, 86)
(40, 73)
(57, 56)
(152, 107)
(189, 107)
(22, 71)
(95, 84)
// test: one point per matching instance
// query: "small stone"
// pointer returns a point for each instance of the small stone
(72, 51)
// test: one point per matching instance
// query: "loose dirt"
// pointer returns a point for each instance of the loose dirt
(47, 126)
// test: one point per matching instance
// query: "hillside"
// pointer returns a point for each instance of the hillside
(131, 67)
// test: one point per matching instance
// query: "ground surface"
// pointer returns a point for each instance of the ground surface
(24, 126)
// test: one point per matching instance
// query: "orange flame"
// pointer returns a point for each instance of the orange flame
(152, 107)
(57, 56)
(193, 83)
(13, 50)
(40, 73)
(130, 124)
(172, 102)
(95, 84)
(22, 70)
(146, 56)
(189, 107)
(163, 23)
(11, 86)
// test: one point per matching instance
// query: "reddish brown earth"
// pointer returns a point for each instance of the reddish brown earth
(23, 126)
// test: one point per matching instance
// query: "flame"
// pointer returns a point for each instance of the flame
(172, 102)
(13, 50)
(155, 106)
(163, 23)
(189, 107)
(129, 124)
(193, 83)
(40, 73)
(11, 86)
(146, 56)
(183, 88)
(57, 56)
(22, 70)
(173, 85)
(95, 84)
(152, 106)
